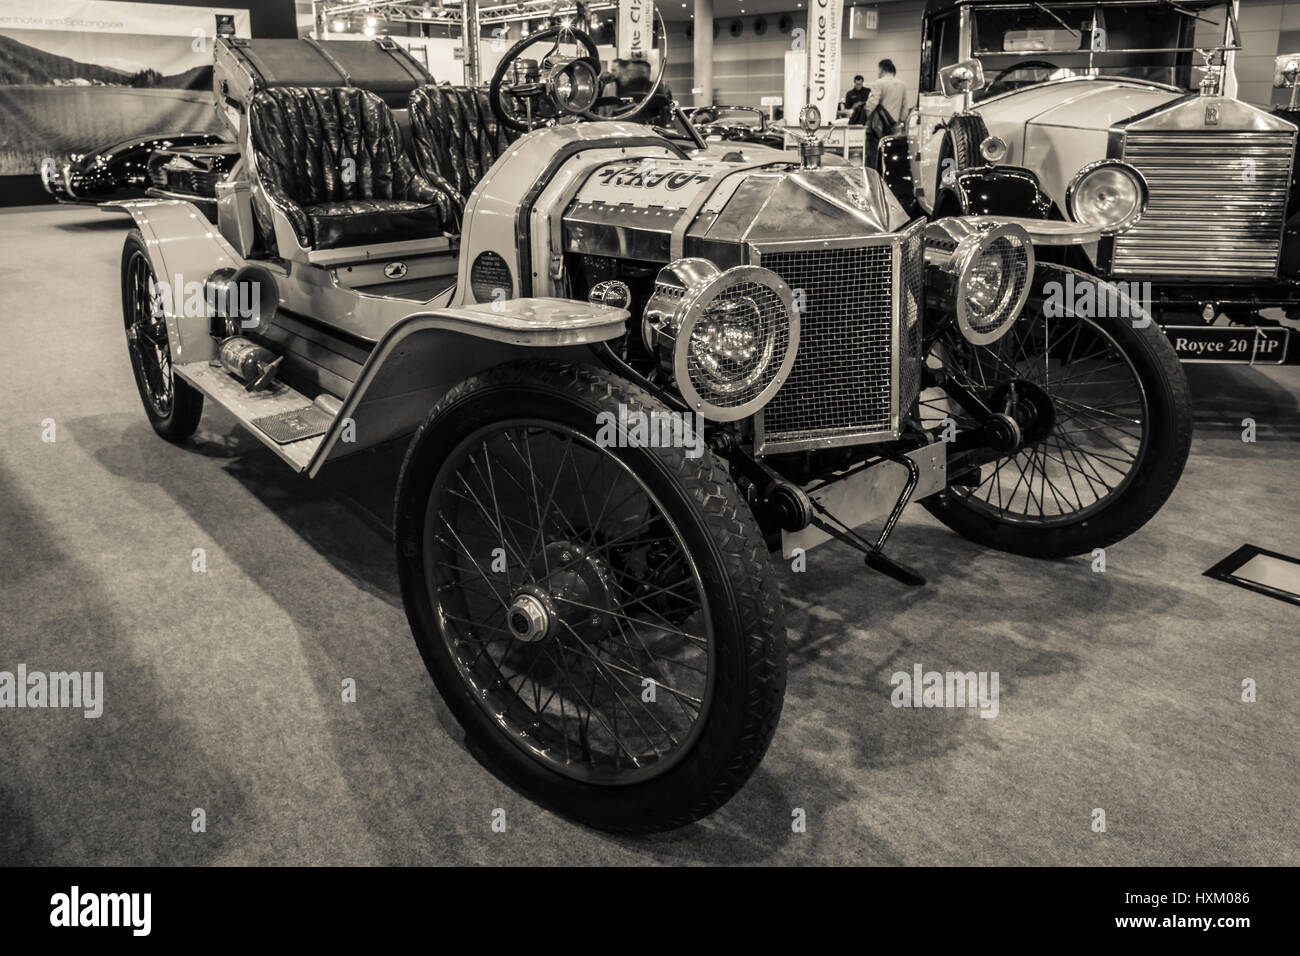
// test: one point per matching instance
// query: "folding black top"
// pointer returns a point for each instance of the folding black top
(380, 66)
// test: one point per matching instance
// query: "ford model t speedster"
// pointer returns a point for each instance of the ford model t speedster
(631, 375)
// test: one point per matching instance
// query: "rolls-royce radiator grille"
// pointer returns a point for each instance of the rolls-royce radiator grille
(859, 335)
(1217, 204)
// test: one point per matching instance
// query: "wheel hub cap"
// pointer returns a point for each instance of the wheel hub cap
(530, 619)
(1029, 406)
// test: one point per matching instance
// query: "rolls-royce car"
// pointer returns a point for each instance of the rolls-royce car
(1093, 111)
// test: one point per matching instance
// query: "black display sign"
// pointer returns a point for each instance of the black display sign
(1247, 345)
(489, 278)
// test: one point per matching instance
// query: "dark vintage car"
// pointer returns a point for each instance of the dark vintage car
(741, 124)
(1084, 111)
(118, 170)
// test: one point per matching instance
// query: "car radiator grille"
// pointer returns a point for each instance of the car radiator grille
(843, 387)
(1217, 204)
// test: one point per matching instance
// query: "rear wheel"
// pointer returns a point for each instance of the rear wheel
(603, 621)
(173, 406)
(1104, 420)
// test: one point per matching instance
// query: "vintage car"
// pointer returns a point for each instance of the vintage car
(116, 171)
(631, 375)
(1080, 111)
(741, 124)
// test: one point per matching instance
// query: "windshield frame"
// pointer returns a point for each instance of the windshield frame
(1181, 8)
(728, 121)
(1217, 55)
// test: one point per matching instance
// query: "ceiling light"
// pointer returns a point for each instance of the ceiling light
(370, 21)
(426, 12)
(369, 31)
(338, 26)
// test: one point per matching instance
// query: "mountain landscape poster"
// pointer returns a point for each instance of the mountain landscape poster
(77, 74)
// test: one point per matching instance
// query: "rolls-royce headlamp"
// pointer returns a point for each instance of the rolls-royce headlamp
(1108, 193)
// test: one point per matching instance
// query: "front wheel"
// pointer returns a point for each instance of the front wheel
(1101, 407)
(603, 621)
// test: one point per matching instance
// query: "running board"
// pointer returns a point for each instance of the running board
(249, 407)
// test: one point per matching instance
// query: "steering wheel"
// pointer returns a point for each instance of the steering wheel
(1027, 65)
(532, 89)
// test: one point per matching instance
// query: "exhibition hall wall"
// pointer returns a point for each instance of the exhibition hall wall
(750, 66)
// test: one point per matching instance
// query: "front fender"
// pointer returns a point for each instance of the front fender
(427, 353)
(183, 248)
(896, 168)
(1002, 191)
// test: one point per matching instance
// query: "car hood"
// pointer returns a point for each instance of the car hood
(1083, 104)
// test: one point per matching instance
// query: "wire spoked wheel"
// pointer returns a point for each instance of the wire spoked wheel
(1101, 428)
(602, 621)
(146, 336)
(173, 406)
(568, 597)
(1080, 410)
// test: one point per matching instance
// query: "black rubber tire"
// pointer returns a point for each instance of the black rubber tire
(965, 133)
(699, 496)
(187, 402)
(1170, 439)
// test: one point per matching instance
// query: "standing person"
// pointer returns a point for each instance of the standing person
(853, 99)
(884, 108)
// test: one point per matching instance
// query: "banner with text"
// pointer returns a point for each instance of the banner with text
(635, 35)
(825, 23)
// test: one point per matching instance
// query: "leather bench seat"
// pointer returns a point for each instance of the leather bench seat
(332, 161)
(355, 222)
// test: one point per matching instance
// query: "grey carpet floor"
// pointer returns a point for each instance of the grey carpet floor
(1119, 690)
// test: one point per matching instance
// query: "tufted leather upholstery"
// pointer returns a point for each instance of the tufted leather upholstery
(454, 135)
(304, 138)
